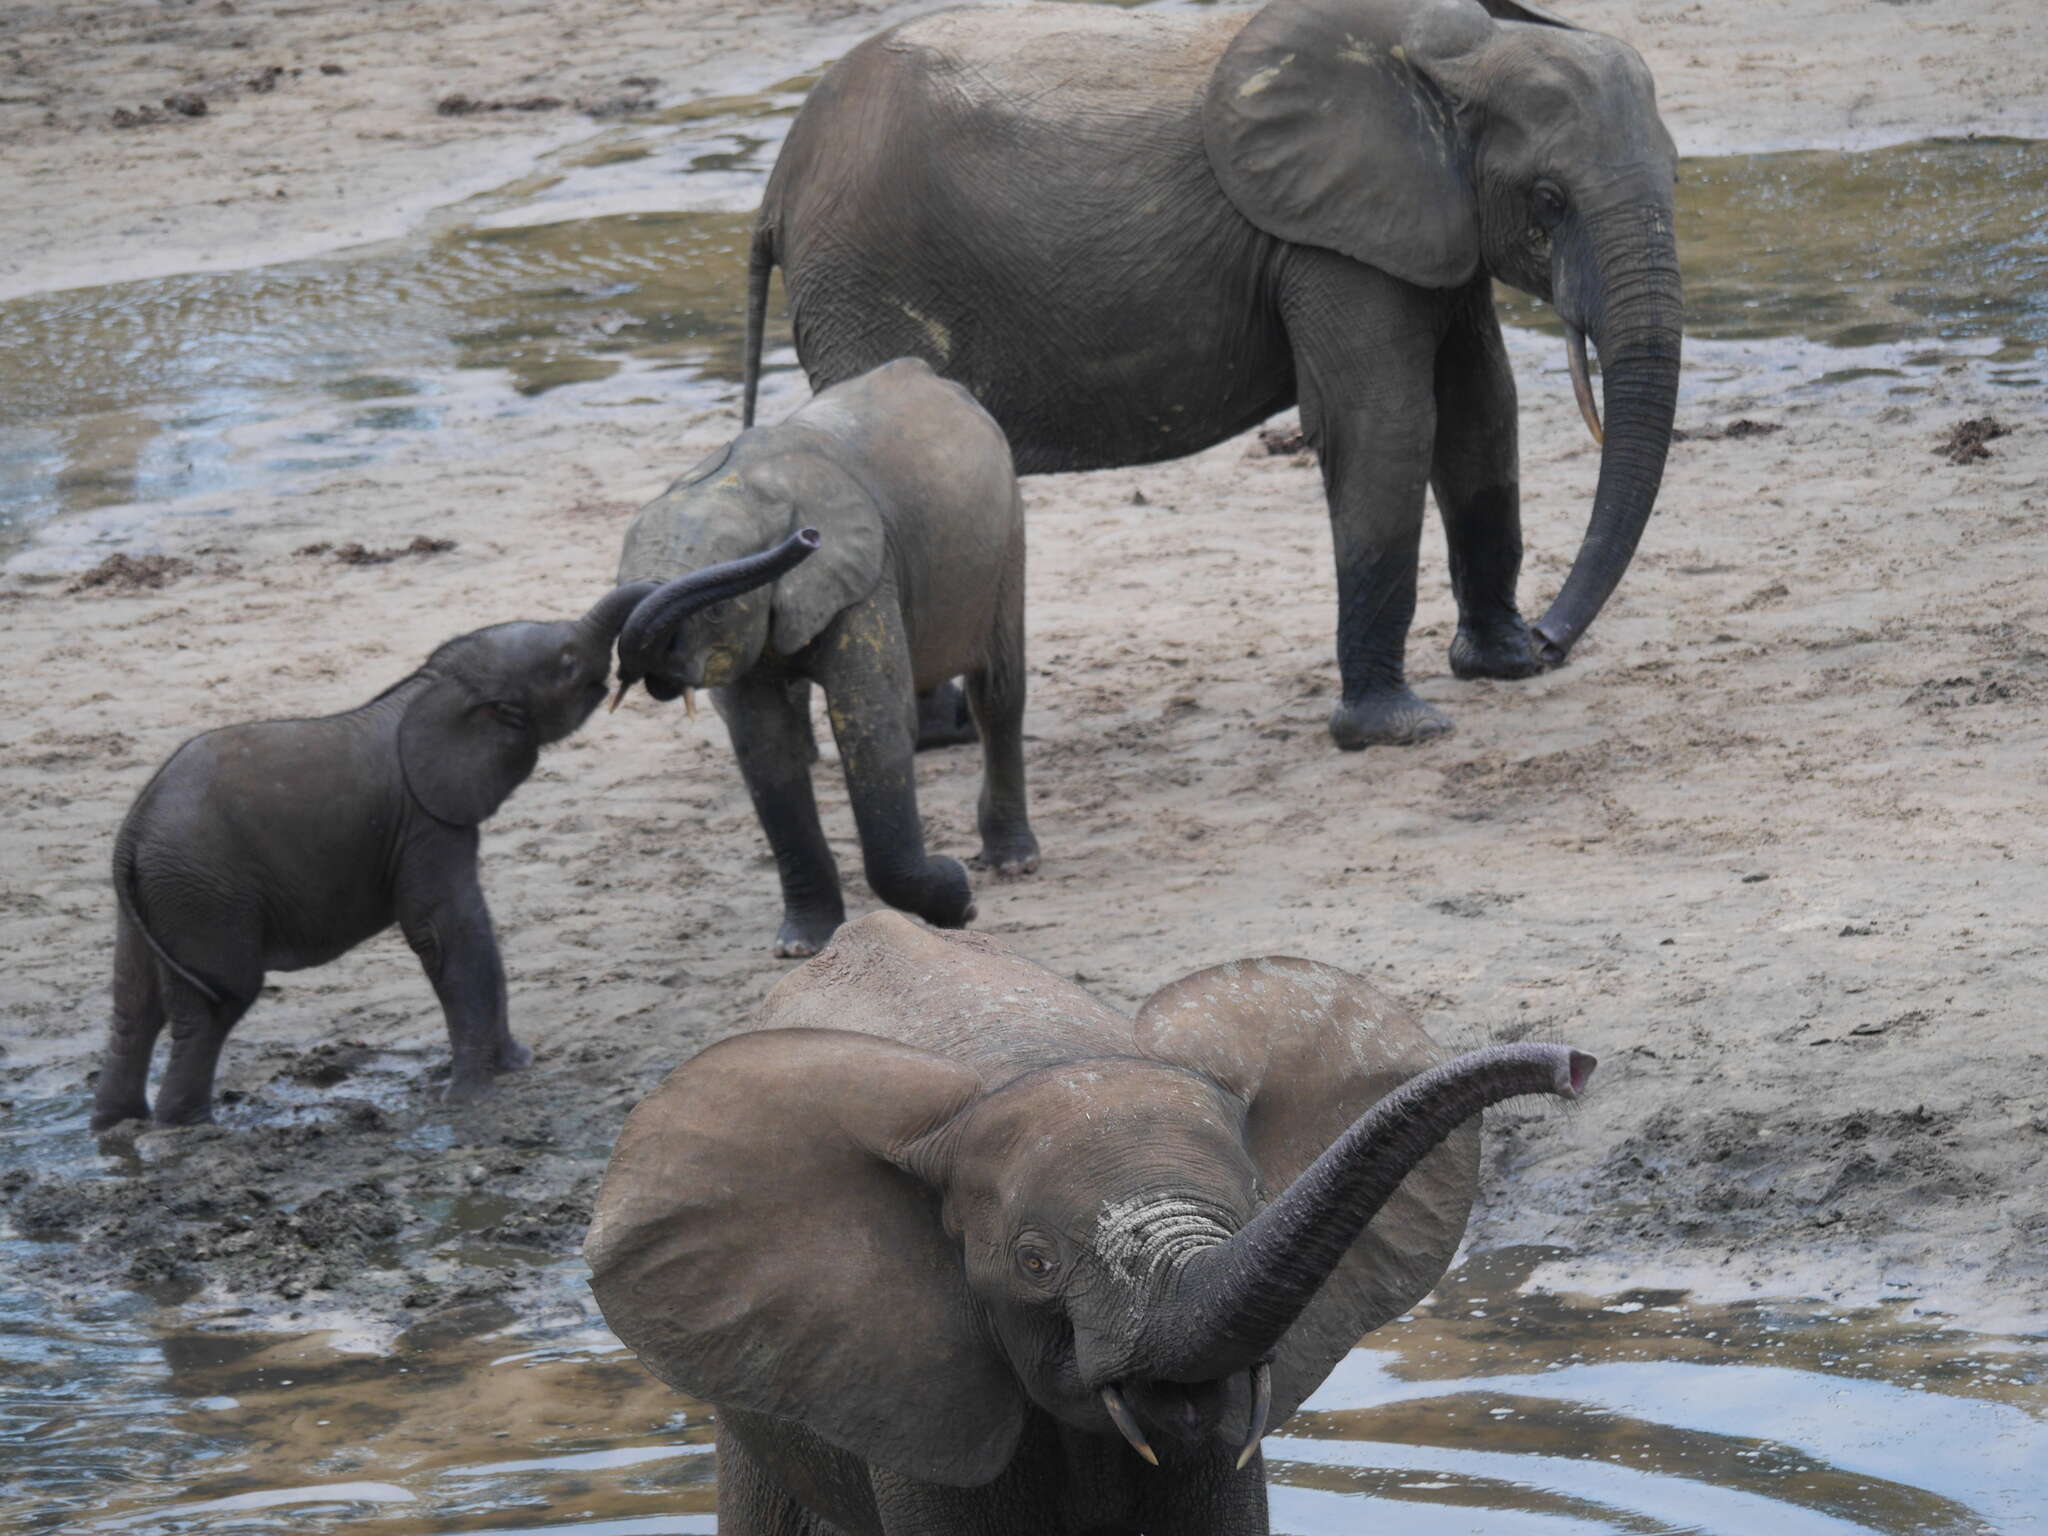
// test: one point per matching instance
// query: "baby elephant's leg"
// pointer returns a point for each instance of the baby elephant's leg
(867, 682)
(770, 724)
(122, 1092)
(996, 690)
(442, 912)
(199, 1028)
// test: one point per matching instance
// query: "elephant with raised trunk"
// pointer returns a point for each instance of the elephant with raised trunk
(281, 844)
(953, 1247)
(1134, 235)
(921, 579)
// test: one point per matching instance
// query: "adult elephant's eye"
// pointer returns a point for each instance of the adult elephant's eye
(1547, 204)
(1036, 1262)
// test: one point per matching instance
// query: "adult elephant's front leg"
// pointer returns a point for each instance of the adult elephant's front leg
(1365, 347)
(864, 667)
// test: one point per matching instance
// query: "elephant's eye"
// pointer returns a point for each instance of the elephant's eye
(1547, 202)
(1036, 1262)
(717, 611)
(569, 663)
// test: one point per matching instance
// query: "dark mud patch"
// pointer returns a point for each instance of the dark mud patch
(131, 573)
(357, 554)
(176, 105)
(1742, 427)
(1281, 442)
(1964, 442)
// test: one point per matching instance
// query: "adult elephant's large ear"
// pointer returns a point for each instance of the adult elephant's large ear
(461, 753)
(758, 1244)
(848, 565)
(1310, 1048)
(1327, 127)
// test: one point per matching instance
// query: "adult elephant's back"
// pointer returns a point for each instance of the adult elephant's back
(1022, 198)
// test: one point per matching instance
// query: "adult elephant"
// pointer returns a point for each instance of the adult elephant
(1135, 235)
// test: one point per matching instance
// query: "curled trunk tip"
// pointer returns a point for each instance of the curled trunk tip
(652, 626)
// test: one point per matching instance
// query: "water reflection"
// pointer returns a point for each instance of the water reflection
(1488, 1410)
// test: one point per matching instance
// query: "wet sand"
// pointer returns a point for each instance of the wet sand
(1771, 846)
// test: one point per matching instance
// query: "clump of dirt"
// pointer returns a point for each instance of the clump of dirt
(459, 105)
(130, 573)
(1966, 439)
(1990, 685)
(265, 81)
(357, 554)
(177, 104)
(1279, 442)
(1740, 428)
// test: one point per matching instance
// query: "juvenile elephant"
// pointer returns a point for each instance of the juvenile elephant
(921, 579)
(282, 844)
(1133, 235)
(942, 1233)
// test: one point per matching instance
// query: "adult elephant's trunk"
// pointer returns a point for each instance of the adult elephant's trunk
(651, 628)
(1618, 282)
(1231, 1303)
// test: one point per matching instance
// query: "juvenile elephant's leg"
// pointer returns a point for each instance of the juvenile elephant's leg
(199, 1028)
(865, 672)
(769, 721)
(122, 1092)
(1365, 347)
(1477, 479)
(442, 912)
(996, 692)
(943, 717)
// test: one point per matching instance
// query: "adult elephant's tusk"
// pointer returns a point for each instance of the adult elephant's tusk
(1127, 1425)
(1582, 383)
(1262, 1404)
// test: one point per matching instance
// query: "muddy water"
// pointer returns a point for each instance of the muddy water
(626, 254)
(1489, 1410)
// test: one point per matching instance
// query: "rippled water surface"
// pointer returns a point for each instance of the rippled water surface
(1489, 1411)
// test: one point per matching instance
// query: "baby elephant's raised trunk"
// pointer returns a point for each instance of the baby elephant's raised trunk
(651, 627)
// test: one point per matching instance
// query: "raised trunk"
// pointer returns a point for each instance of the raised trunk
(1233, 1302)
(609, 613)
(651, 628)
(1634, 313)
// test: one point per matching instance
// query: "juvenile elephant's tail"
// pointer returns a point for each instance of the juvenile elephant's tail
(760, 267)
(129, 900)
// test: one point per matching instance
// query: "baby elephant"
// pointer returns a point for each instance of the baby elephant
(281, 844)
(921, 579)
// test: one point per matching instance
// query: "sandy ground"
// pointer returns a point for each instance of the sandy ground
(1771, 846)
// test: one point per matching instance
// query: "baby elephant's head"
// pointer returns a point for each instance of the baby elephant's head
(704, 629)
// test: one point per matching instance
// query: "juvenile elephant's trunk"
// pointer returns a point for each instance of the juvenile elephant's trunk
(651, 628)
(1633, 310)
(1232, 1302)
(609, 613)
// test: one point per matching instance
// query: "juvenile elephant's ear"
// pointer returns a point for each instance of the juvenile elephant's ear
(1310, 1048)
(757, 1244)
(461, 754)
(847, 566)
(1326, 127)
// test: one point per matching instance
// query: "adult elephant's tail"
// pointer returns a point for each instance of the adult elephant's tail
(760, 267)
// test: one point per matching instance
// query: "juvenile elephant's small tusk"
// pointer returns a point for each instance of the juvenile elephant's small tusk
(1127, 1425)
(1582, 383)
(690, 702)
(618, 698)
(1262, 1404)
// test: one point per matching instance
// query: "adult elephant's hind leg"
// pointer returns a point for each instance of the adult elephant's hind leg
(1477, 478)
(1365, 348)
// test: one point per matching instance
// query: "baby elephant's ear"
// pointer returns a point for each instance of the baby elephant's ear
(461, 754)
(848, 564)
(759, 1245)
(1310, 1048)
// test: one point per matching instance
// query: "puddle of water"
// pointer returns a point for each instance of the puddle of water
(626, 253)
(1488, 1409)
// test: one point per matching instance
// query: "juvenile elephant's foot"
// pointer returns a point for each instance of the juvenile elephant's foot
(512, 1056)
(943, 718)
(939, 892)
(106, 1116)
(1009, 856)
(803, 934)
(1396, 719)
(1503, 650)
(468, 1088)
(169, 1115)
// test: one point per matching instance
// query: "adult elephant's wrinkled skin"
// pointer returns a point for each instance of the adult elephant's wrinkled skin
(952, 1246)
(1134, 235)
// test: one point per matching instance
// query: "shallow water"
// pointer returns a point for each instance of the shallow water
(625, 255)
(1489, 1410)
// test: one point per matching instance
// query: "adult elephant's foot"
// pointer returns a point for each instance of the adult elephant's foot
(1008, 856)
(804, 933)
(943, 718)
(1394, 719)
(1504, 650)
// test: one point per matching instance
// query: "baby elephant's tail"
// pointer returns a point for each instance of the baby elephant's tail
(130, 902)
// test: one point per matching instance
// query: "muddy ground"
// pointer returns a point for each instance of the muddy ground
(1771, 846)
